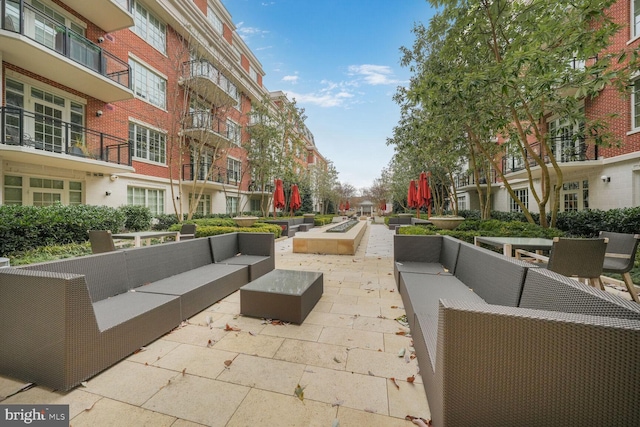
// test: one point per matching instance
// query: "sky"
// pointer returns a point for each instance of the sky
(340, 61)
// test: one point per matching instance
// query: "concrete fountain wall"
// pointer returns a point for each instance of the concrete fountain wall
(330, 243)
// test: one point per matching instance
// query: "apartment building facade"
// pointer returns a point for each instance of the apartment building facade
(114, 102)
(594, 177)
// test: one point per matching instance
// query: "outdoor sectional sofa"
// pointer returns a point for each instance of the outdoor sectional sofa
(63, 322)
(292, 225)
(501, 342)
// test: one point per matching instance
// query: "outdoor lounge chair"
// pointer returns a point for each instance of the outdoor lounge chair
(101, 241)
(581, 258)
(188, 231)
(620, 256)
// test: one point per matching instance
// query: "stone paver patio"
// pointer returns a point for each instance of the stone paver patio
(223, 369)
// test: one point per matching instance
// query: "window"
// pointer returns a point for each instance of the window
(40, 191)
(253, 74)
(214, 20)
(523, 196)
(575, 196)
(204, 204)
(635, 104)
(233, 170)
(462, 203)
(148, 144)
(12, 190)
(635, 15)
(148, 85)
(567, 142)
(148, 27)
(233, 132)
(153, 199)
(232, 205)
(255, 205)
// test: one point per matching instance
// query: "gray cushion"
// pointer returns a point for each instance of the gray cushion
(224, 246)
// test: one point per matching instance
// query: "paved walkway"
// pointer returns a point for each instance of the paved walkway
(223, 369)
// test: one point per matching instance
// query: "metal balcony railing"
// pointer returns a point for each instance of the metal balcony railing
(20, 17)
(205, 69)
(205, 121)
(565, 150)
(210, 174)
(464, 180)
(41, 132)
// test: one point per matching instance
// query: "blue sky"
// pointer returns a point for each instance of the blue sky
(340, 60)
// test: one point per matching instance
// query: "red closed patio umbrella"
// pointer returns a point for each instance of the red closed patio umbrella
(424, 194)
(278, 197)
(346, 207)
(341, 208)
(295, 202)
(412, 195)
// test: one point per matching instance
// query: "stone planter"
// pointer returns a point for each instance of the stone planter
(445, 222)
(245, 221)
(309, 215)
(406, 215)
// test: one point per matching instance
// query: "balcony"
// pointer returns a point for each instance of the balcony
(218, 175)
(206, 80)
(110, 15)
(469, 180)
(43, 46)
(39, 139)
(570, 153)
(205, 127)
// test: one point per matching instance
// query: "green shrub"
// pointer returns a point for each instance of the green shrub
(417, 230)
(28, 227)
(137, 218)
(208, 230)
(48, 253)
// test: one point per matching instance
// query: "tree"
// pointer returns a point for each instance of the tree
(506, 67)
(199, 134)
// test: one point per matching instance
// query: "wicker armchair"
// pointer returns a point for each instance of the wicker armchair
(101, 241)
(581, 258)
(620, 256)
(188, 231)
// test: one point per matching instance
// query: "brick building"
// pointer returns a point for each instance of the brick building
(113, 102)
(593, 177)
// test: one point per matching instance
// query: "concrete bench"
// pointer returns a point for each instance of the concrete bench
(500, 341)
(63, 322)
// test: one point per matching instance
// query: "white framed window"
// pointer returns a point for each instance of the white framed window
(233, 170)
(148, 85)
(232, 205)
(233, 132)
(204, 204)
(151, 198)
(253, 74)
(214, 20)
(148, 144)
(635, 18)
(38, 191)
(523, 196)
(635, 104)
(148, 27)
(575, 196)
(567, 143)
(462, 202)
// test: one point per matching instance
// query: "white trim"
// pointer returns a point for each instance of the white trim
(146, 64)
(145, 124)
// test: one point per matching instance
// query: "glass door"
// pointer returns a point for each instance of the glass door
(48, 131)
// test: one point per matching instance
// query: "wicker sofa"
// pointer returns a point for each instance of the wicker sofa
(292, 225)
(500, 342)
(64, 321)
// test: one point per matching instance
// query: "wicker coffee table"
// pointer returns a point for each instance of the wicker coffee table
(287, 295)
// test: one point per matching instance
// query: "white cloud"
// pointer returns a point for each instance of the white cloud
(249, 31)
(374, 74)
(323, 98)
(290, 79)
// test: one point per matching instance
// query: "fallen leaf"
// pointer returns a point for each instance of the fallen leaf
(231, 328)
(335, 423)
(402, 352)
(209, 343)
(373, 411)
(83, 383)
(338, 403)
(411, 379)
(184, 371)
(371, 373)
(141, 349)
(401, 333)
(335, 359)
(418, 421)
(228, 362)
(299, 392)
(394, 306)
(253, 334)
(393, 380)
